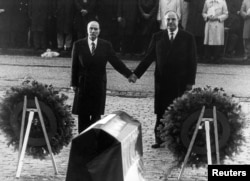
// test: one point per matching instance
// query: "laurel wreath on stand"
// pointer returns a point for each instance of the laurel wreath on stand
(57, 116)
(181, 117)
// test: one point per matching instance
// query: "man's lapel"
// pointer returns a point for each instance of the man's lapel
(85, 46)
(97, 49)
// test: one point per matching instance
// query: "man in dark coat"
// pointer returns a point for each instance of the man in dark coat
(148, 23)
(19, 24)
(39, 13)
(175, 66)
(85, 12)
(88, 77)
(196, 25)
(127, 17)
(65, 16)
(234, 42)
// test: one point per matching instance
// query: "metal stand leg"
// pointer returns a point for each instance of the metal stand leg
(192, 142)
(45, 135)
(208, 142)
(23, 143)
(20, 162)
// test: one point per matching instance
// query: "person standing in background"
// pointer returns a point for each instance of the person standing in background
(245, 13)
(5, 12)
(184, 13)
(147, 24)
(196, 25)
(127, 18)
(39, 13)
(51, 25)
(107, 12)
(64, 17)
(85, 12)
(234, 42)
(19, 24)
(215, 12)
(165, 6)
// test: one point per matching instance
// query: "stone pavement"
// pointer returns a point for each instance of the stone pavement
(158, 163)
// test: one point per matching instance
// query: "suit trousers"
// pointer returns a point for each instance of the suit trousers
(64, 39)
(85, 120)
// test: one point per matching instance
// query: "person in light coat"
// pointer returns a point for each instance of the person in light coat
(165, 6)
(245, 13)
(214, 12)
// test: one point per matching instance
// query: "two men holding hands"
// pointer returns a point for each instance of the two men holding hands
(173, 51)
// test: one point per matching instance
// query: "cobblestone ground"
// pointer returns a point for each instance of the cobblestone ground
(158, 163)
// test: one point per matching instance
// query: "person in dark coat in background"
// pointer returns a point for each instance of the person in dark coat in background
(127, 17)
(38, 13)
(196, 25)
(51, 32)
(85, 11)
(5, 13)
(88, 75)
(19, 24)
(108, 19)
(174, 53)
(234, 42)
(65, 16)
(148, 23)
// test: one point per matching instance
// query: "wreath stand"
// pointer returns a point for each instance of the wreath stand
(208, 143)
(23, 143)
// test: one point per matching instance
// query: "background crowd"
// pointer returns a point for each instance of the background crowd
(128, 24)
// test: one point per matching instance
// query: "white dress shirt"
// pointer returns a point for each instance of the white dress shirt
(174, 33)
(90, 44)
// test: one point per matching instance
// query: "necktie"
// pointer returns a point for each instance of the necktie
(93, 48)
(171, 37)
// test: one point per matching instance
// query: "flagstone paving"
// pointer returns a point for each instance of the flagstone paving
(158, 163)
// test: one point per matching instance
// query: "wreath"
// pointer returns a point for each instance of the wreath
(56, 115)
(180, 119)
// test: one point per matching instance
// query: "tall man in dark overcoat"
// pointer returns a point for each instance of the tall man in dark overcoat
(174, 53)
(88, 76)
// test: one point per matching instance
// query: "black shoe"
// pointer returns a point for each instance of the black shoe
(156, 145)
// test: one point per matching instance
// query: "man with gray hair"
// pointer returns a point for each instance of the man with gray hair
(174, 52)
(88, 75)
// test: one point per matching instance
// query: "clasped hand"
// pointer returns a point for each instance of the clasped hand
(132, 78)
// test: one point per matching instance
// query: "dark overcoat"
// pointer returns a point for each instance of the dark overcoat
(175, 66)
(128, 10)
(19, 16)
(80, 22)
(89, 75)
(107, 16)
(38, 13)
(148, 26)
(195, 21)
(65, 16)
